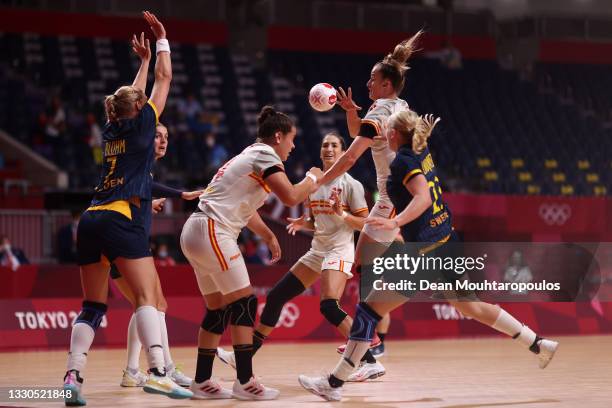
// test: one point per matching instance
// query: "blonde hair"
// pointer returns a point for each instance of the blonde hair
(410, 125)
(394, 65)
(121, 104)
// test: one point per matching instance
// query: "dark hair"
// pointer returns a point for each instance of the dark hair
(393, 66)
(336, 135)
(270, 121)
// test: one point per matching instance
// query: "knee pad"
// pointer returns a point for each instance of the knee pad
(332, 311)
(364, 323)
(243, 311)
(92, 314)
(215, 321)
(286, 289)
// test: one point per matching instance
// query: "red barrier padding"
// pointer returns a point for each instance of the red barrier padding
(121, 28)
(579, 52)
(42, 323)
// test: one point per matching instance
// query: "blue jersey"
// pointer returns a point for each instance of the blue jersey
(435, 223)
(128, 147)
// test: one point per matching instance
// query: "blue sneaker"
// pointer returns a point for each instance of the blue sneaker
(72, 389)
(378, 351)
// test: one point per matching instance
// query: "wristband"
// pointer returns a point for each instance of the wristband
(162, 45)
(312, 177)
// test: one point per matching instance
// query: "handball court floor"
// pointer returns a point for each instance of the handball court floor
(465, 373)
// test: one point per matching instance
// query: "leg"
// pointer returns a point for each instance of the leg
(497, 318)
(332, 287)
(289, 286)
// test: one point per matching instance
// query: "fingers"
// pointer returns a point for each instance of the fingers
(142, 39)
(341, 94)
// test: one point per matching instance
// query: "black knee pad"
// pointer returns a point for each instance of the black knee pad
(243, 311)
(332, 311)
(92, 313)
(216, 320)
(285, 289)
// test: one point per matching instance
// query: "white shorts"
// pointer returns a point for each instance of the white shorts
(382, 209)
(319, 261)
(213, 252)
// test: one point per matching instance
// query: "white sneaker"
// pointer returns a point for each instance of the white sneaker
(253, 390)
(227, 357)
(209, 389)
(320, 386)
(367, 371)
(165, 386)
(547, 349)
(179, 377)
(133, 380)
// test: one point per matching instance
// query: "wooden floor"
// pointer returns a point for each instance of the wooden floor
(465, 373)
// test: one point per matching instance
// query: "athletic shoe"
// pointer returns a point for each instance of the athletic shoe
(133, 380)
(545, 350)
(209, 389)
(320, 386)
(374, 343)
(227, 357)
(367, 371)
(378, 351)
(253, 390)
(179, 377)
(72, 389)
(165, 386)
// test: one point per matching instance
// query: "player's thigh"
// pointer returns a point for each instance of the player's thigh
(333, 283)
(305, 274)
(125, 289)
(94, 281)
(141, 276)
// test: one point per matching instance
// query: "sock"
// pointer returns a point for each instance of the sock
(335, 382)
(133, 346)
(258, 339)
(164, 337)
(150, 336)
(381, 336)
(368, 357)
(80, 341)
(206, 358)
(506, 323)
(243, 353)
(350, 359)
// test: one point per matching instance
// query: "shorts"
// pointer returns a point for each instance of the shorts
(104, 235)
(213, 252)
(382, 209)
(320, 261)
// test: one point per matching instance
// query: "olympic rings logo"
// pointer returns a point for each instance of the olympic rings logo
(289, 315)
(555, 214)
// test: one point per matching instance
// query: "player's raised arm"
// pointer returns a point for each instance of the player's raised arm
(142, 48)
(293, 194)
(345, 100)
(163, 66)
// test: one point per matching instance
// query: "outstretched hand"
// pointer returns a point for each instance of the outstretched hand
(346, 100)
(156, 26)
(141, 47)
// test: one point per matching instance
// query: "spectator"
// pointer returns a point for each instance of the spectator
(66, 240)
(94, 138)
(189, 107)
(517, 271)
(217, 152)
(11, 257)
(162, 256)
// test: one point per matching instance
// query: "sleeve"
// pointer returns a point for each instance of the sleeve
(356, 198)
(409, 167)
(267, 163)
(372, 123)
(148, 120)
(160, 190)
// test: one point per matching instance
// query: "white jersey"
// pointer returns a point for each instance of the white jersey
(382, 154)
(238, 189)
(332, 234)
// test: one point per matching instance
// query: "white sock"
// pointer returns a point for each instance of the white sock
(150, 336)
(506, 323)
(133, 345)
(165, 344)
(80, 341)
(354, 352)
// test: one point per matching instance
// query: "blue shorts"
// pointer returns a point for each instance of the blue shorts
(104, 235)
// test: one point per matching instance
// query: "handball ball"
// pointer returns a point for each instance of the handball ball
(322, 97)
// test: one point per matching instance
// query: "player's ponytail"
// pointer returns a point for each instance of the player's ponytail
(413, 128)
(120, 105)
(394, 65)
(270, 121)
